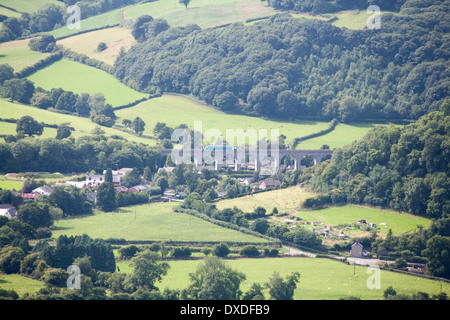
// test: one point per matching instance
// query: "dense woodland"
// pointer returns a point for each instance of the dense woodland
(77, 155)
(51, 17)
(323, 6)
(291, 68)
(405, 169)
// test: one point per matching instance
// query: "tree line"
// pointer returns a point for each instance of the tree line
(324, 6)
(52, 16)
(292, 68)
(84, 154)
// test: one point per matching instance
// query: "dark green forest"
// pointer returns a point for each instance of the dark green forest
(405, 169)
(324, 6)
(295, 68)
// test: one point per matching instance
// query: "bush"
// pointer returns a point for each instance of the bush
(181, 252)
(249, 251)
(221, 250)
(102, 47)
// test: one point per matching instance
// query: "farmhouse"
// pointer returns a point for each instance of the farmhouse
(139, 188)
(357, 250)
(78, 184)
(93, 181)
(8, 211)
(120, 189)
(267, 184)
(44, 190)
(180, 195)
(29, 196)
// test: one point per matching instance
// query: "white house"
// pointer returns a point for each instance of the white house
(94, 180)
(8, 211)
(44, 190)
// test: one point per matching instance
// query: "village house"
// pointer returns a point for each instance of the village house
(29, 196)
(94, 180)
(8, 210)
(120, 189)
(180, 195)
(357, 250)
(139, 188)
(43, 190)
(77, 184)
(268, 184)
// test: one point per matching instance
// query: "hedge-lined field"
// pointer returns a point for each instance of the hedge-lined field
(149, 222)
(79, 78)
(175, 110)
(321, 279)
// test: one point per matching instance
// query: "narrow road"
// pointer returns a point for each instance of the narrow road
(295, 252)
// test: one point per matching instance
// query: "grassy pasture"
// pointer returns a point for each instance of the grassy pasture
(321, 279)
(8, 13)
(398, 222)
(10, 185)
(156, 221)
(354, 19)
(29, 6)
(18, 55)
(79, 78)
(83, 126)
(108, 18)
(288, 200)
(342, 135)
(86, 43)
(20, 284)
(205, 13)
(175, 110)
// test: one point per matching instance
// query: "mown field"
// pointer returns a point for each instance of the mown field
(20, 284)
(342, 135)
(106, 19)
(18, 55)
(321, 279)
(87, 43)
(287, 200)
(354, 19)
(29, 6)
(83, 126)
(384, 219)
(205, 13)
(175, 110)
(10, 185)
(79, 78)
(154, 221)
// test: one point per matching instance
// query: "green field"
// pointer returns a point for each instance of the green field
(342, 135)
(79, 78)
(29, 6)
(205, 13)
(321, 279)
(288, 199)
(83, 126)
(354, 19)
(86, 43)
(8, 13)
(18, 55)
(175, 110)
(109, 18)
(398, 222)
(10, 185)
(156, 222)
(20, 284)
